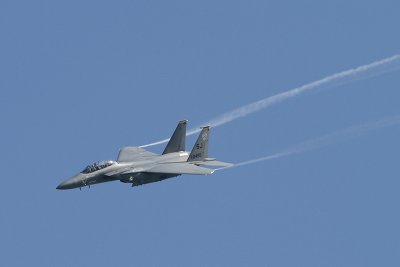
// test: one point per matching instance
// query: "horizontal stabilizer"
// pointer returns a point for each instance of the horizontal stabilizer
(213, 163)
(130, 153)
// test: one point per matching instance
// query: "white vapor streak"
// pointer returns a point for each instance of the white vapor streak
(326, 140)
(158, 142)
(338, 78)
(364, 71)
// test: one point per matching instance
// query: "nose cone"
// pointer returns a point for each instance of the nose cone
(73, 182)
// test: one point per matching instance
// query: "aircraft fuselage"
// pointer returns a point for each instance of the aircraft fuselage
(133, 174)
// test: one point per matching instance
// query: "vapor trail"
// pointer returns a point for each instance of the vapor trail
(326, 140)
(358, 73)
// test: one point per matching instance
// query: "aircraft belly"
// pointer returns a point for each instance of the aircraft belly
(145, 178)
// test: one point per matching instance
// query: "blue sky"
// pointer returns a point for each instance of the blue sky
(80, 79)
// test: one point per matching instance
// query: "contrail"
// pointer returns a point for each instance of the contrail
(358, 73)
(326, 140)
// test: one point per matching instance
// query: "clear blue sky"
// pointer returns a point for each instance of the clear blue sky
(80, 79)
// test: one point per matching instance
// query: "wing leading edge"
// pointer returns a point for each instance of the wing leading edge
(130, 153)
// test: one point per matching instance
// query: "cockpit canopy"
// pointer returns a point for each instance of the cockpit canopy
(98, 166)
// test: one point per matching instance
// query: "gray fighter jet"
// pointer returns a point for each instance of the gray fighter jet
(138, 166)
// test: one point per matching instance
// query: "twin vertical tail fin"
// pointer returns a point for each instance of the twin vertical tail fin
(177, 141)
(200, 148)
(199, 154)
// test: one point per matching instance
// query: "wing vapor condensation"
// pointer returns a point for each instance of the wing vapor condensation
(358, 73)
(325, 140)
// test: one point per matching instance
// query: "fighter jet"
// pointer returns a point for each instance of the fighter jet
(137, 166)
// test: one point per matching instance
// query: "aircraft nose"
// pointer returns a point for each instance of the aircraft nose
(72, 182)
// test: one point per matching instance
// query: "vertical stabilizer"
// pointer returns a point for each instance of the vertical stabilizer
(200, 148)
(177, 141)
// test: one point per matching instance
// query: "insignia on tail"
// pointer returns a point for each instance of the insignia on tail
(199, 154)
(200, 148)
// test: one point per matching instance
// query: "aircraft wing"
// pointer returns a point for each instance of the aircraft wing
(167, 168)
(130, 153)
(179, 168)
